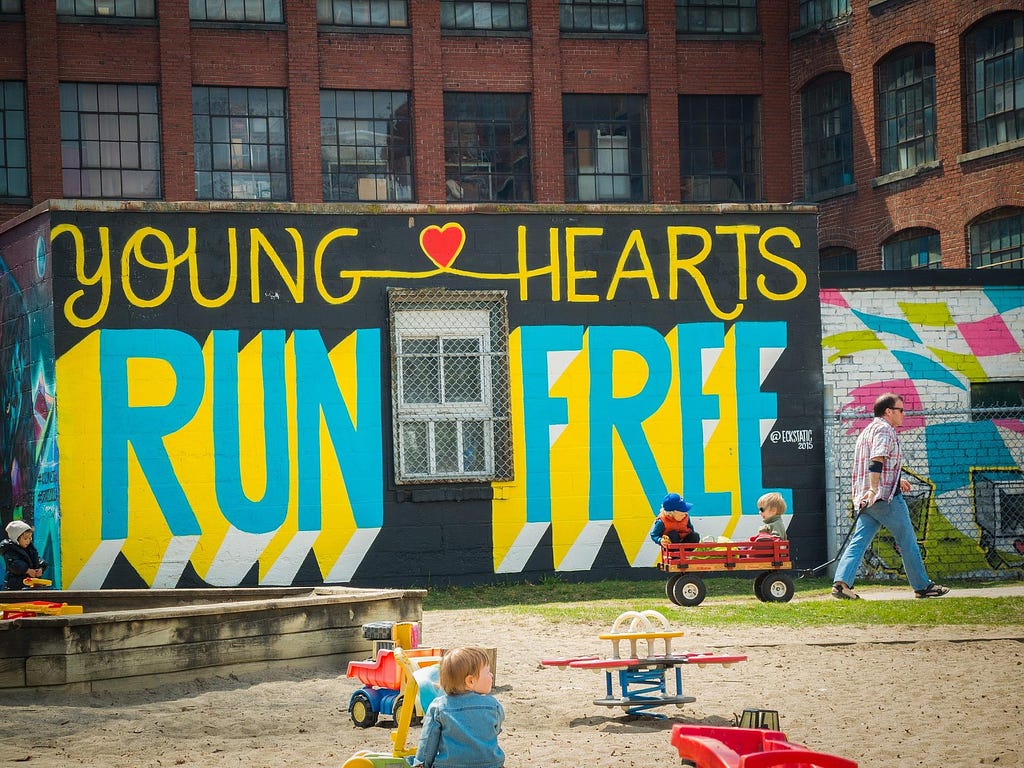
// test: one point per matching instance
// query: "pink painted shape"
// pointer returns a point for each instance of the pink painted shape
(862, 400)
(832, 296)
(989, 337)
(1014, 425)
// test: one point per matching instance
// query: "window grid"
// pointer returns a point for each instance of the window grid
(110, 140)
(13, 142)
(995, 82)
(363, 13)
(827, 134)
(720, 148)
(123, 9)
(601, 15)
(451, 385)
(906, 99)
(487, 147)
(815, 12)
(998, 242)
(729, 17)
(241, 149)
(510, 15)
(10, 6)
(605, 147)
(366, 145)
(912, 249)
(252, 11)
(837, 259)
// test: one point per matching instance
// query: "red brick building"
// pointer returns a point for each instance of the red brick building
(903, 119)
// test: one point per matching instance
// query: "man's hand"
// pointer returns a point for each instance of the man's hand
(904, 485)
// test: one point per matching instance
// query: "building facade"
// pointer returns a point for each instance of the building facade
(908, 133)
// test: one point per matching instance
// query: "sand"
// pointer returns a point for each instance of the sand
(945, 697)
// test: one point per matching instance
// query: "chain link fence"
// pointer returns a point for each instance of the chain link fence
(967, 492)
(450, 379)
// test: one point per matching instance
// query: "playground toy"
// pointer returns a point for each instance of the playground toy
(408, 694)
(641, 674)
(33, 581)
(686, 561)
(704, 746)
(37, 608)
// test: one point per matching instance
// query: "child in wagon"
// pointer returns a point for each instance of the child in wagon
(673, 522)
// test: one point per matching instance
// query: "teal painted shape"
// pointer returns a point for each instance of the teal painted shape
(893, 325)
(1005, 299)
(921, 368)
(954, 449)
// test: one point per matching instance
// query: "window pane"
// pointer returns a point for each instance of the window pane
(731, 17)
(605, 147)
(601, 15)
(827, 134)
(103, 127)
(995, 81)
(997, 241)
(363, 13)
(906, 99)
(459, 14)
(487, 147)
(242, 141)
(415, 449)
(13, 145)
(912, 249)
(720, 148)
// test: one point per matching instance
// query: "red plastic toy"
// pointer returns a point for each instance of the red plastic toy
(705, 746)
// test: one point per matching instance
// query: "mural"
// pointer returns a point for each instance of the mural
(28, 450)
(930, 345)
(225, 408)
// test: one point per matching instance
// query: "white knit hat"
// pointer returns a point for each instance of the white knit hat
(16, 528)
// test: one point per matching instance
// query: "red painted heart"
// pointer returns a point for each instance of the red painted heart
(443, 244)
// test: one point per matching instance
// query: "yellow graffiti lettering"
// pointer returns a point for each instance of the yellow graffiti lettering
(554, 268)
(100, 277)
(646, 272)
(193, 271)
(799, 274)
(295, 284)
(740, 230)
(572, 274)
(318, 266)
(168, 266)
(690, 266)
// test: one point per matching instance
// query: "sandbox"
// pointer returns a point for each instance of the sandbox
(143, 638)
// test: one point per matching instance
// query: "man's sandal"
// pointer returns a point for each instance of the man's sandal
(932, 590)
(843, 592)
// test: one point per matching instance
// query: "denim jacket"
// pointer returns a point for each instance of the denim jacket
(461, 731)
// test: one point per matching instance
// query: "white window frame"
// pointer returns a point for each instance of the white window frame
(443, 324)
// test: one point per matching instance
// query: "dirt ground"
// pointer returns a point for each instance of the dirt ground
(946, 697)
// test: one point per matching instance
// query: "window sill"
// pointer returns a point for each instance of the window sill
(363, 30)
(516, 33)
(107, 20)
(909, 173)
(826, 27)
(257, 26)
(829, 194)
(569, 34)
(995, 149)
(749, 37)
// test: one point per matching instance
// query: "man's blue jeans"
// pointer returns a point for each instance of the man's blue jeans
(894, 516)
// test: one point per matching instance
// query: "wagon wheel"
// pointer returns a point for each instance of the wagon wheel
(361, 710)
(689, 590)
(670, 587)
(759, 583)
(777, 588)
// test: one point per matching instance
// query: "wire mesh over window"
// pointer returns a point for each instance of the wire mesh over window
(450, 385)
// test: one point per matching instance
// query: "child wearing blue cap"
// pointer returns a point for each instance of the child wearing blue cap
(673, 522)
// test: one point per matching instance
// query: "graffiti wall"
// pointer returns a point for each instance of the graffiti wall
(289, 397)
(28, 448)
(942, 349)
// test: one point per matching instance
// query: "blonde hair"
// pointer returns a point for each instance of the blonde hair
(459, 663)
(773, 499)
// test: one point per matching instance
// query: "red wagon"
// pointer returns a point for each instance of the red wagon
(685, 563)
